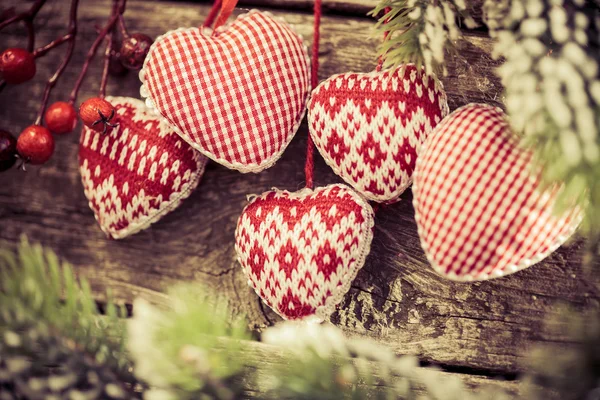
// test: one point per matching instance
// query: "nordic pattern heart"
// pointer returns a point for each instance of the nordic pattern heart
(369, 127)
(301, 250)
(237, 95)
(478, 203)
(138, 172)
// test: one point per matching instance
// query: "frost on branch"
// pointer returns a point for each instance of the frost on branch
(420, 31)
(551, 76)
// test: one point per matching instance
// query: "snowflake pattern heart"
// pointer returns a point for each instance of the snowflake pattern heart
(236, 94)
(138, 172)
(369, 127)
(301, 250)
(479, 205)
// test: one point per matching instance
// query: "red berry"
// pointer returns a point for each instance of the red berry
(35, 144)
(97, 114)
(17, 65)
(60, 117)
(8, 150)
(134, 50)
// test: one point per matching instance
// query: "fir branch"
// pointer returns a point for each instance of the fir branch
(50, 322)
(571, 371)
(552, 79)
(326, 365)
(175, 349)
(420, 32)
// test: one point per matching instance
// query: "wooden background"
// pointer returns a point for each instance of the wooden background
(479, 330)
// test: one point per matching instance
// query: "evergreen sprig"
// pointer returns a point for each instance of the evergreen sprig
(420, 32)
(551, 75)
(326, 365)
(53, 340)
(54, 344)
(180, 350)
(573, 370)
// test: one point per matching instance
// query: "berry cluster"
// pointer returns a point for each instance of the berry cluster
(35, 144)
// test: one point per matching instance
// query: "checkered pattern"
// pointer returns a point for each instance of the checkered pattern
(237, 96)
(369, 127)
(138, 172)
(302, 250)
(478, 205)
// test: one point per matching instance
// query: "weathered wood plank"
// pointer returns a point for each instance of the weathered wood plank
(396, 299)
(262, 358)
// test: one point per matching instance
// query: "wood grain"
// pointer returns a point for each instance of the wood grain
(396, 299)
(262, 358)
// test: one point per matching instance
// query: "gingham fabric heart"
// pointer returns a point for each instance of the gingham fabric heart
(302, 250)
(138, 172)
(479, 207)
(369, 127)
(237, 95)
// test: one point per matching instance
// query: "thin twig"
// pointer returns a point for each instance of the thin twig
(122, 27)
(70, 36)
(55, 43)
(29, 14)
(107, 55)
(90, 56)
(30, 35)
(28, 17)
(108, 52)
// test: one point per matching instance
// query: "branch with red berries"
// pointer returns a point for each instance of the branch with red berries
(35, 144)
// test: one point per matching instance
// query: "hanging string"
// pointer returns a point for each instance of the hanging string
(219, 13)
(385, 36)
(309, 166)
(212, 15)
(227, 7)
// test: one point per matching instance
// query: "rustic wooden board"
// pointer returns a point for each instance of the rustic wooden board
(396, 299)
(261, 359)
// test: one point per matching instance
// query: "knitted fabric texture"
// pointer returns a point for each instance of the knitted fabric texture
(138, 171)
(478, 204)
(369, 127)
(301, 250)
(237, 94)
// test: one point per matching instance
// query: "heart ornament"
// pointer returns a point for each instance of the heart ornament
(480, 209)
(301, 250)
(138, 172)
(369, 126)
(236, 94)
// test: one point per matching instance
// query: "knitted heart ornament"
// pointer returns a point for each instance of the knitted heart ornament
(479, 207)
(302, 250)
(138, 172)
(369, 127)
(236, 94)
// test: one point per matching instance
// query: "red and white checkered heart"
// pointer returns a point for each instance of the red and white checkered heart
(237, 94)
(302, 250)
(369, 127)
(138, 172)
(479, 207)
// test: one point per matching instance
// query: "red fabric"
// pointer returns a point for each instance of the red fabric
(137, 172)
(227, 7)
(480, 210)
(212, 15)
(302, 250)
(237, 96)
(368, 127)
